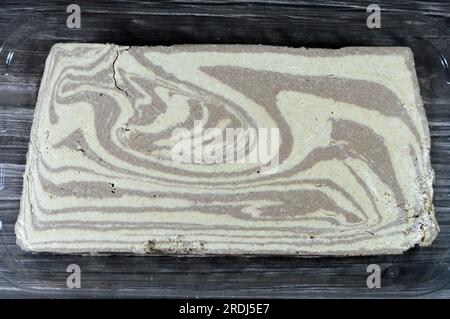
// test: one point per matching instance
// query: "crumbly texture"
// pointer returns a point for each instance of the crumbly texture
(354, 176)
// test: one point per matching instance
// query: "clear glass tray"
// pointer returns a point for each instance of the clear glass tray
(25, 42)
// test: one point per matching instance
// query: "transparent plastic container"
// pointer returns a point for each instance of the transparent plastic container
(25, 42)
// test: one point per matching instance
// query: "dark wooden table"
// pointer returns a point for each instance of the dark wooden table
(29, 29)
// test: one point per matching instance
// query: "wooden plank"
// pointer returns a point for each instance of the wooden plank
(417, 273)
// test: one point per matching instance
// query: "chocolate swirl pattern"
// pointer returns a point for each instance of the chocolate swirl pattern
(354, 174)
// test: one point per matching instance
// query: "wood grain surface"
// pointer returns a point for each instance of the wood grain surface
(29, 30)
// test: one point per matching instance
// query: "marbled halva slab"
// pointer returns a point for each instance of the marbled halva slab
(354, 175)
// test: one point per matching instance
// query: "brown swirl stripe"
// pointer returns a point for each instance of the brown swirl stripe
(354, 176)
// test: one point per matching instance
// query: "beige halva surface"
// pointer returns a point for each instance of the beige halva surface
(354, 176)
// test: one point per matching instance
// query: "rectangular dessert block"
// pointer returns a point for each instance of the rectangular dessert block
(342, 164)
